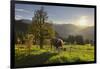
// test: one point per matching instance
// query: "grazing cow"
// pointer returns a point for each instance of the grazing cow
(57, 43)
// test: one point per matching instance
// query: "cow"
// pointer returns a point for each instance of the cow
(57, 43)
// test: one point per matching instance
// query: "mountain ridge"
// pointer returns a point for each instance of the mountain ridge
(64, 30)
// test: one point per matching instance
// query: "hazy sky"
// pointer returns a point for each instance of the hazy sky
(57, 14)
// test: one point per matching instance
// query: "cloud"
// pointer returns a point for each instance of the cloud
(23, 14)
(18, 17)
(22, 10)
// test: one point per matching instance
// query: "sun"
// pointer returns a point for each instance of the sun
(82, 21)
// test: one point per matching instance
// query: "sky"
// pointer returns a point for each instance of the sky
(57, 14)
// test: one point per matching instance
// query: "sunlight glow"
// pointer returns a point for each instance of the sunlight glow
(82, 21)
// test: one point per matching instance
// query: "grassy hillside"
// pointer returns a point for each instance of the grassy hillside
(76, 53)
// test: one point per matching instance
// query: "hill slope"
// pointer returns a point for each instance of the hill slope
(63, 30)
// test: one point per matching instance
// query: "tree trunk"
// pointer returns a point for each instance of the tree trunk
(41, 42)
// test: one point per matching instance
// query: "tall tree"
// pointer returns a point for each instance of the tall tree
(40, 28)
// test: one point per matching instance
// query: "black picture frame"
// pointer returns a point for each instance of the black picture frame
(12, 42)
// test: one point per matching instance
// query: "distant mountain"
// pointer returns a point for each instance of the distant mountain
(88, 32)
(63, 30)
(26, 21)
(21, 25)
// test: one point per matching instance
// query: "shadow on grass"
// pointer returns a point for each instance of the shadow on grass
(32, 60)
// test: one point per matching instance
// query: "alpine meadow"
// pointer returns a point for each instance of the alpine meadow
(46, 34)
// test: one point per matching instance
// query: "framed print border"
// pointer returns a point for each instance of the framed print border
(12, 42)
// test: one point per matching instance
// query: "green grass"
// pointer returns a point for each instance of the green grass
(73, 53)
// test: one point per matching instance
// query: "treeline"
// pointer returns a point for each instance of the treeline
(78, 39)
